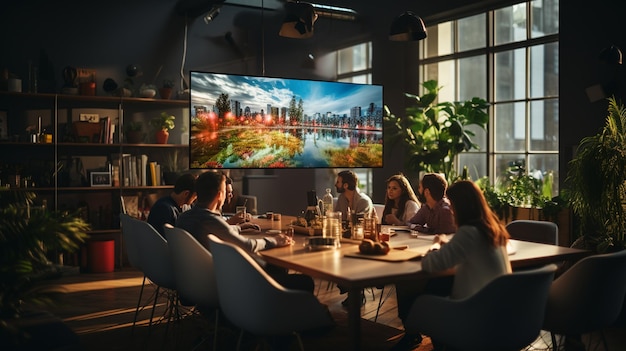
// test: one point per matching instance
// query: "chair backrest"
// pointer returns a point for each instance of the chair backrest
(506, 314)
(151, 249)
(255, 302)
(588, 296)
(129, 234)
(379, 210)
(193, 268)
(536, 231)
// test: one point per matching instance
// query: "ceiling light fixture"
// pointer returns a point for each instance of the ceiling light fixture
(611, 55)
(407, 27)
(298, 22)
(213, 12)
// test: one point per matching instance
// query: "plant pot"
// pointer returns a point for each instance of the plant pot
(166, 93)
(161, 136)
(134, 137)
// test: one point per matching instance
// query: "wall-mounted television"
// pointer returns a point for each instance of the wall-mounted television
(240, 121)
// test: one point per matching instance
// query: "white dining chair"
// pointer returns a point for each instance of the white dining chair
(506, 314)
(253, 301)
(194, 274)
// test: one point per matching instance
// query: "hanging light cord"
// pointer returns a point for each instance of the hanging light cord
(263, 38)
(183, 81)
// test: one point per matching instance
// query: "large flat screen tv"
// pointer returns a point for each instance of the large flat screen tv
(240, 121)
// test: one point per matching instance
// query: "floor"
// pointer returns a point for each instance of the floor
(99, 307)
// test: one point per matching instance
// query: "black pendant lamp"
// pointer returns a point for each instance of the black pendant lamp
(407, 27)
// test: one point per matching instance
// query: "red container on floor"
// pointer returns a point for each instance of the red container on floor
(101, 256)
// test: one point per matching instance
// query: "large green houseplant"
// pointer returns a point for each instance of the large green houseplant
(27, 236)
(435, 132)
(595, 182)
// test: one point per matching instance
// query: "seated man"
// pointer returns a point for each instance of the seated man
(435, 214)
(168, 208)
(205, 218)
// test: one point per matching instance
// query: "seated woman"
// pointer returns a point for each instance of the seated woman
(400, 203)
(477, 252)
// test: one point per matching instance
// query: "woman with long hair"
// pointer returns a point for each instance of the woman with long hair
(478, 248)
(477, 251)
(401, 203)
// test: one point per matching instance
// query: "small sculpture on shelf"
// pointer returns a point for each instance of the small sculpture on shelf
(163, 123)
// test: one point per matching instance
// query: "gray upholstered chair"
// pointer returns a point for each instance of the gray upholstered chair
(154, 261)
(129, 233)
(536, 231)
(253, 301)
(507, 314)
(193, 272)
(587, 297)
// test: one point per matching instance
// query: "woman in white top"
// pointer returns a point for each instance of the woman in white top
(400, 203)
(476, 252)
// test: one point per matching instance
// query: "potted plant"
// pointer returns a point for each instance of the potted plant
(28, 237)
(134, 134)
(434, 133)
(166, 90)
(173, 166)
(595, 181)
(163, 123)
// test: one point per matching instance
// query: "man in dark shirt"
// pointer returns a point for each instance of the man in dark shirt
(167, 208)
(435, 215)
(206, 218)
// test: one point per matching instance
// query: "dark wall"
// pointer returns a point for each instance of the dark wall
(107, 36)
(586, 29)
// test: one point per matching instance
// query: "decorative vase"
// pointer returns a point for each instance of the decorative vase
(166, 93)
(161, 136)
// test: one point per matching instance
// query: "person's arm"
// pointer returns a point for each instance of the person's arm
(449, 255)
(410, 210)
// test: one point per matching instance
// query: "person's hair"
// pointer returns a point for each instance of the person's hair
(436, 184)
(349, 178)
(407, 194)
(185, 182)
(208, 185)
(229, 180)
(471, 208)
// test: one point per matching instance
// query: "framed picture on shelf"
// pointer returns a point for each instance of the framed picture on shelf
(100, 179)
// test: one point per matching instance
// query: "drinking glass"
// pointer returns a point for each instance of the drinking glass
(331, 226)
(277, 221)
(240, 211)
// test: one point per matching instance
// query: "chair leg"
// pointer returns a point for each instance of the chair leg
(156, 297)
(299, 341)
(555, 345)
(382, 300)
(606, 345)
(239, 340)
(132, 329)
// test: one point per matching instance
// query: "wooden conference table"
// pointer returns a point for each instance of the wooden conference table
(358, 273)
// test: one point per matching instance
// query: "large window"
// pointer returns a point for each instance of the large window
(354, 65)
(508, 56)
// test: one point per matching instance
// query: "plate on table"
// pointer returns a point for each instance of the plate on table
(318, 243)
